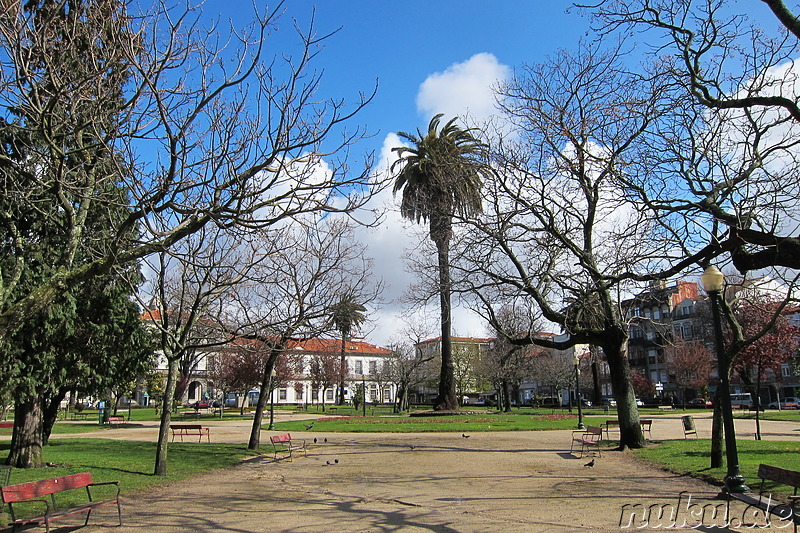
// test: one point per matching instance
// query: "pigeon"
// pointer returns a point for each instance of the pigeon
(465, 436)
(412, 446)
(336, 461)
(327, 462)
(326, 439)
(590, 463)
(309, 426)
(315, 440)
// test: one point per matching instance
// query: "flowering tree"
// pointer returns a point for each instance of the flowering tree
(689, 366)
(769, 351)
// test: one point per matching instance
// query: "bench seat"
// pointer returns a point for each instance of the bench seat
(285, 444)
(182, 430)
(33, 491)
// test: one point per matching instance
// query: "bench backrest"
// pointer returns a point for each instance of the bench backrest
(185, 426)
(688, 423)
(286, 437)
(35, 489)
(610, 423)
(779, 475)
(646, 421)
(595, 430)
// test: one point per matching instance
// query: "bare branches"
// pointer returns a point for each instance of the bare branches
(202, 127)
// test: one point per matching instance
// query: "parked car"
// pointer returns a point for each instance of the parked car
(639, 403)
(699, 402)
(609, 401)
(201, 404)
(790, 402)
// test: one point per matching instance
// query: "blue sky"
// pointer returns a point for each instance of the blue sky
(426, 57)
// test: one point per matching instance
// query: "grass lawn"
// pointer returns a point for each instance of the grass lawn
(518, 421)
(130, 463)
(692, 456)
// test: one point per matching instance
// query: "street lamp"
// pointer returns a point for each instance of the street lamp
(713, 280)
(576, 361)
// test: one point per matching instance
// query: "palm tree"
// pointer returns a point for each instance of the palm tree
(441, 177)
(345, 315)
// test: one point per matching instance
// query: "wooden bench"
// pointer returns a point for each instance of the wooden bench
(646, 424)
(183, 430)
(589, 438)
(610, 425)
(34, 491)
(116, 421)
(285, 444)
(665, 407)
(788, 511)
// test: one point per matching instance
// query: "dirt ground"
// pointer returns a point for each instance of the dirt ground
(442, 482)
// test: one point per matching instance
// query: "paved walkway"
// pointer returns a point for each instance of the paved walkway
(443, 482)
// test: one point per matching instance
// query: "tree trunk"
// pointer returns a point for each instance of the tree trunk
(447, 400)
(50, 415)
(166, 415)
(26, 440)
(258, 418)
(342, 372)
(630, 429)
(596, 388)
(716, 432)
(506, 396)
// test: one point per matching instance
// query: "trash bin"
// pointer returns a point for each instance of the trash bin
(102, 413)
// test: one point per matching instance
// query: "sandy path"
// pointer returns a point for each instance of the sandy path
(507, 481)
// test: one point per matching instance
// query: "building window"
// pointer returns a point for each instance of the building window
(656, 314)
(314, 394)
(373, 367)
(373, 394)
(329, 394)
(281, 394)
(359, 367)
(298, 393)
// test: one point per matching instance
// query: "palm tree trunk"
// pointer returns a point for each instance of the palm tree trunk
(446, 399)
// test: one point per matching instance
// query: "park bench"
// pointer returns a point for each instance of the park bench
(646, 424)
(788, 511)
(589, 438)
(7, 424)
(688, 426)
(610, 425)
(38, 491)
(285, 444)
(183, 430)
(116, 421)
(665, 407)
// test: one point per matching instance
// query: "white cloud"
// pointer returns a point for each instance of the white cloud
(463, 88)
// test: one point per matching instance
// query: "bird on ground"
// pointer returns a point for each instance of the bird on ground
(412, 446)
(315, 440)
(465, 436)
(309, 426)
(326, 439)
(336, 461)
(327, 462)
(590, 463)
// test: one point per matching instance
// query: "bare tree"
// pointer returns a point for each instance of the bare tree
(559, 233)
(289, 295)
(195, 124)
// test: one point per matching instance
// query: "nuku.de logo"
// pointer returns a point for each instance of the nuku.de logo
(690, 512)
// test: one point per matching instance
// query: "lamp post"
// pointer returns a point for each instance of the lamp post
(713, 280)
(576, 361)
